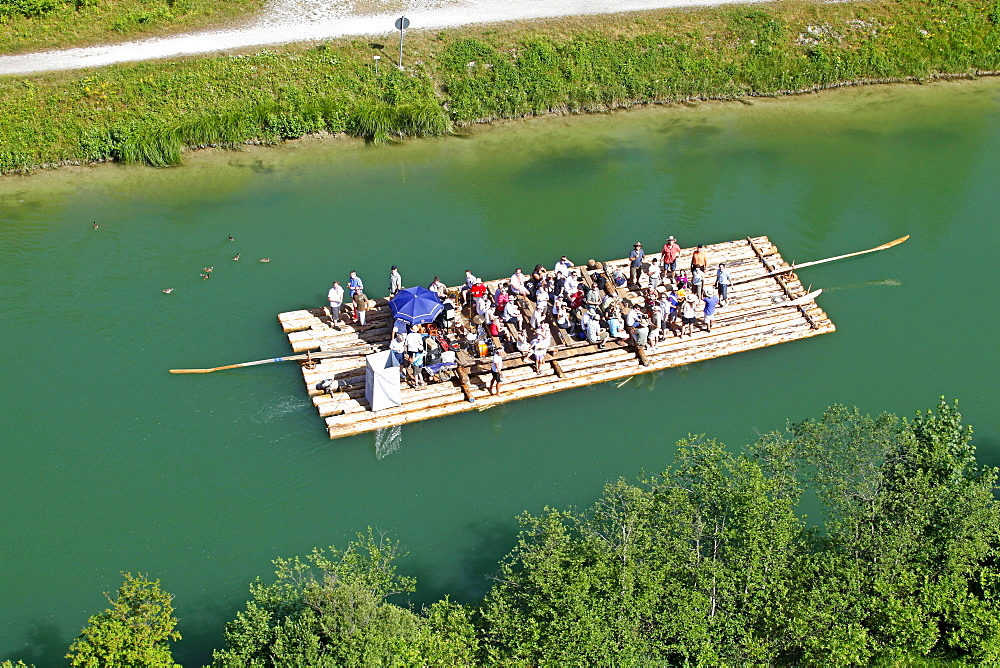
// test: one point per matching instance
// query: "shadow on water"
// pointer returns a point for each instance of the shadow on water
(202, 630)
(469, 581)
(46, 645)
(257, 166)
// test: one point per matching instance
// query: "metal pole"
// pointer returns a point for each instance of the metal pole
(401, 47)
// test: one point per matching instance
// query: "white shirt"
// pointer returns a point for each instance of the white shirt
(632, 319)
(562, 268)
(569, 287)
(517, 281)
(496, 363)
(482, 305)
(414, 342)
(335, 295)
(541, 342)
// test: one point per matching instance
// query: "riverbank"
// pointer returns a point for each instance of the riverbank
(151, 112)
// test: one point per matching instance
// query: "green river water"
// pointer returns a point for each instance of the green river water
(109, 463)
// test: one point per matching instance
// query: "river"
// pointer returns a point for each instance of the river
(108, 463)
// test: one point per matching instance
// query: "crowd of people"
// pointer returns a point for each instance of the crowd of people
(524, 312)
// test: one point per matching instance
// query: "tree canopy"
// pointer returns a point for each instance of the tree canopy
(134, 631)
(709, 562)
(331, 610)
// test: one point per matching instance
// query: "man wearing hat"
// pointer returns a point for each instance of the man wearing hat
(669, 257)
(635, 264)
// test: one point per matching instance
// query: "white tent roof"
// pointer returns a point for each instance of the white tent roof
(382, 381)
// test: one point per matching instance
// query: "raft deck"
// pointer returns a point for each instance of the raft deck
(753, 318)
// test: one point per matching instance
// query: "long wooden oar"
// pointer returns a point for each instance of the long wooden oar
(354, 350)
(795, 267)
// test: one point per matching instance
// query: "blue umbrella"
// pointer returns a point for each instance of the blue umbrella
(415, 305)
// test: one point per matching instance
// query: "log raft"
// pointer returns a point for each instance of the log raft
(753, 318)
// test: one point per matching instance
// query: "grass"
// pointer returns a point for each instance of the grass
(29, 25)
(149, 112)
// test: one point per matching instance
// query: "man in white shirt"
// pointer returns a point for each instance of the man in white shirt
(512, 315)
(440, 288)
(336, 298)
(415, 355)
(540, 345)
(654, 274)
(517, 283)
(395, 281)
(496, 366)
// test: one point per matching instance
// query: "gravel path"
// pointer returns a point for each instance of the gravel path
(308, 20)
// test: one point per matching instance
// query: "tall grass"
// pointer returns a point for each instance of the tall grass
(740, 51)
(149, 113)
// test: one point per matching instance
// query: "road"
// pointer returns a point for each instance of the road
(286, 21)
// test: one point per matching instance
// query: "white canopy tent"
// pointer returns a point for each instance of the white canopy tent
(382, 381)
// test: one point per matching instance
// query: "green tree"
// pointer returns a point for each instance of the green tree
(688, 566)
(134, 631)
(331, 610)
(906, 564)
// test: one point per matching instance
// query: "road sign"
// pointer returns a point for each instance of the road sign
(402, 23)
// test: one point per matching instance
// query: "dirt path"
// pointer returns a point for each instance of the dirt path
(307, 20)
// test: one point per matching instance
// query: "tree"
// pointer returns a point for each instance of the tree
(906, 565)
(709, 563)
(134, 631)
(331, 610)
(688, 566)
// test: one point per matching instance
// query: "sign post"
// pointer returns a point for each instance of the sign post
(402, 23)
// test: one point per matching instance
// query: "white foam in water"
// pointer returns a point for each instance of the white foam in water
(287, 21)
(888, 282)
(388, 440)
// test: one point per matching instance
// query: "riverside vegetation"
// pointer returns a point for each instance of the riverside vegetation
(49, 24)
(150, 112)
(708, 563)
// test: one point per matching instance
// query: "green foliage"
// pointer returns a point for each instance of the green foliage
(135, 631)
(708, 563)
(28, 8)
(331, 610)
(46, 24)
(690, 566)
(906, 566)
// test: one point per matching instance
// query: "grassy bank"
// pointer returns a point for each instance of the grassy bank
(31, 25)
(149, 112)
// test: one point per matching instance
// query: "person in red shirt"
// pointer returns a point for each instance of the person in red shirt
(668, 257)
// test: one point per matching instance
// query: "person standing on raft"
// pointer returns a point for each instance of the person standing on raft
(668, 257)
(336, 298)
(496, 367)
(395, 281)
(635, 259)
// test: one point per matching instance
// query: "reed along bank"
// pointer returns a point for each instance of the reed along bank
(151, 112)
